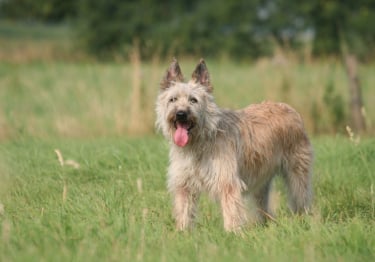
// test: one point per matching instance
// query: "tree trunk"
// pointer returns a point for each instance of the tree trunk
(356, 102)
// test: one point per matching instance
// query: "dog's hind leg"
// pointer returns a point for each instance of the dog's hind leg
(298, 176)
(262, 202)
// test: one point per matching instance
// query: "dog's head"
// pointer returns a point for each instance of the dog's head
(182, 108)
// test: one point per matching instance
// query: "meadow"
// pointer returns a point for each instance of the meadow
(108, 202)
(82, 170)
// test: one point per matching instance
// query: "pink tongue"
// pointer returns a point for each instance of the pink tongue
(181, 136)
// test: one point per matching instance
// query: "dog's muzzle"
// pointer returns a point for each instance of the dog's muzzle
(182, 119)
(183, 124)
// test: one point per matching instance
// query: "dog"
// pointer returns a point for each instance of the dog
(231, 155)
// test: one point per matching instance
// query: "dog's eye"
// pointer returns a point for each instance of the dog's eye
(193, 100)
(172, 99)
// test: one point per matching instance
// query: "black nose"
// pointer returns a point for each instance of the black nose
(181, 115)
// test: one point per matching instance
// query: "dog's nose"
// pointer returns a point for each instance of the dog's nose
(181, 115)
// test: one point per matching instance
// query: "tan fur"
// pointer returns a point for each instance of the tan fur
(231, 155)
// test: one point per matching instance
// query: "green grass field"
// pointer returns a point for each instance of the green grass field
(115, 207)
(105, 199)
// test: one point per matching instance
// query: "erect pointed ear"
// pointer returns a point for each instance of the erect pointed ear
(173, 74)
(201, 76)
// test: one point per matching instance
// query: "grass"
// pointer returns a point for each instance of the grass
(106, 199)
(115, 207)
(89, 100)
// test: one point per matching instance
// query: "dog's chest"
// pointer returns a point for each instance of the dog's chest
(201, 172)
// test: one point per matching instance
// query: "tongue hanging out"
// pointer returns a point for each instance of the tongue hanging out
(181, 136)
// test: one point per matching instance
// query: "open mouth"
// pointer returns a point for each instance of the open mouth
(181, 135)
(188, 125)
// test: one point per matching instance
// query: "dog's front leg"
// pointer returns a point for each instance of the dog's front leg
(233, 208)
(185, 206)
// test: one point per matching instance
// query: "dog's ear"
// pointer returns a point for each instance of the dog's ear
(201, 76)
(173, 74)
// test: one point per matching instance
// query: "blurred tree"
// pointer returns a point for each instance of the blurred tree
(199, 27)
(112, 25)
(335, 24)
(41, 10)
(219, 26)
(240, 28)
(341, 24)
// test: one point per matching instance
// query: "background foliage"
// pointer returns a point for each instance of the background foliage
(239, 28)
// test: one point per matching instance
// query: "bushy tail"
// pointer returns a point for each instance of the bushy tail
(298, 177)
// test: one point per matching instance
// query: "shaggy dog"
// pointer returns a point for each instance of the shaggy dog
(231, 155)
